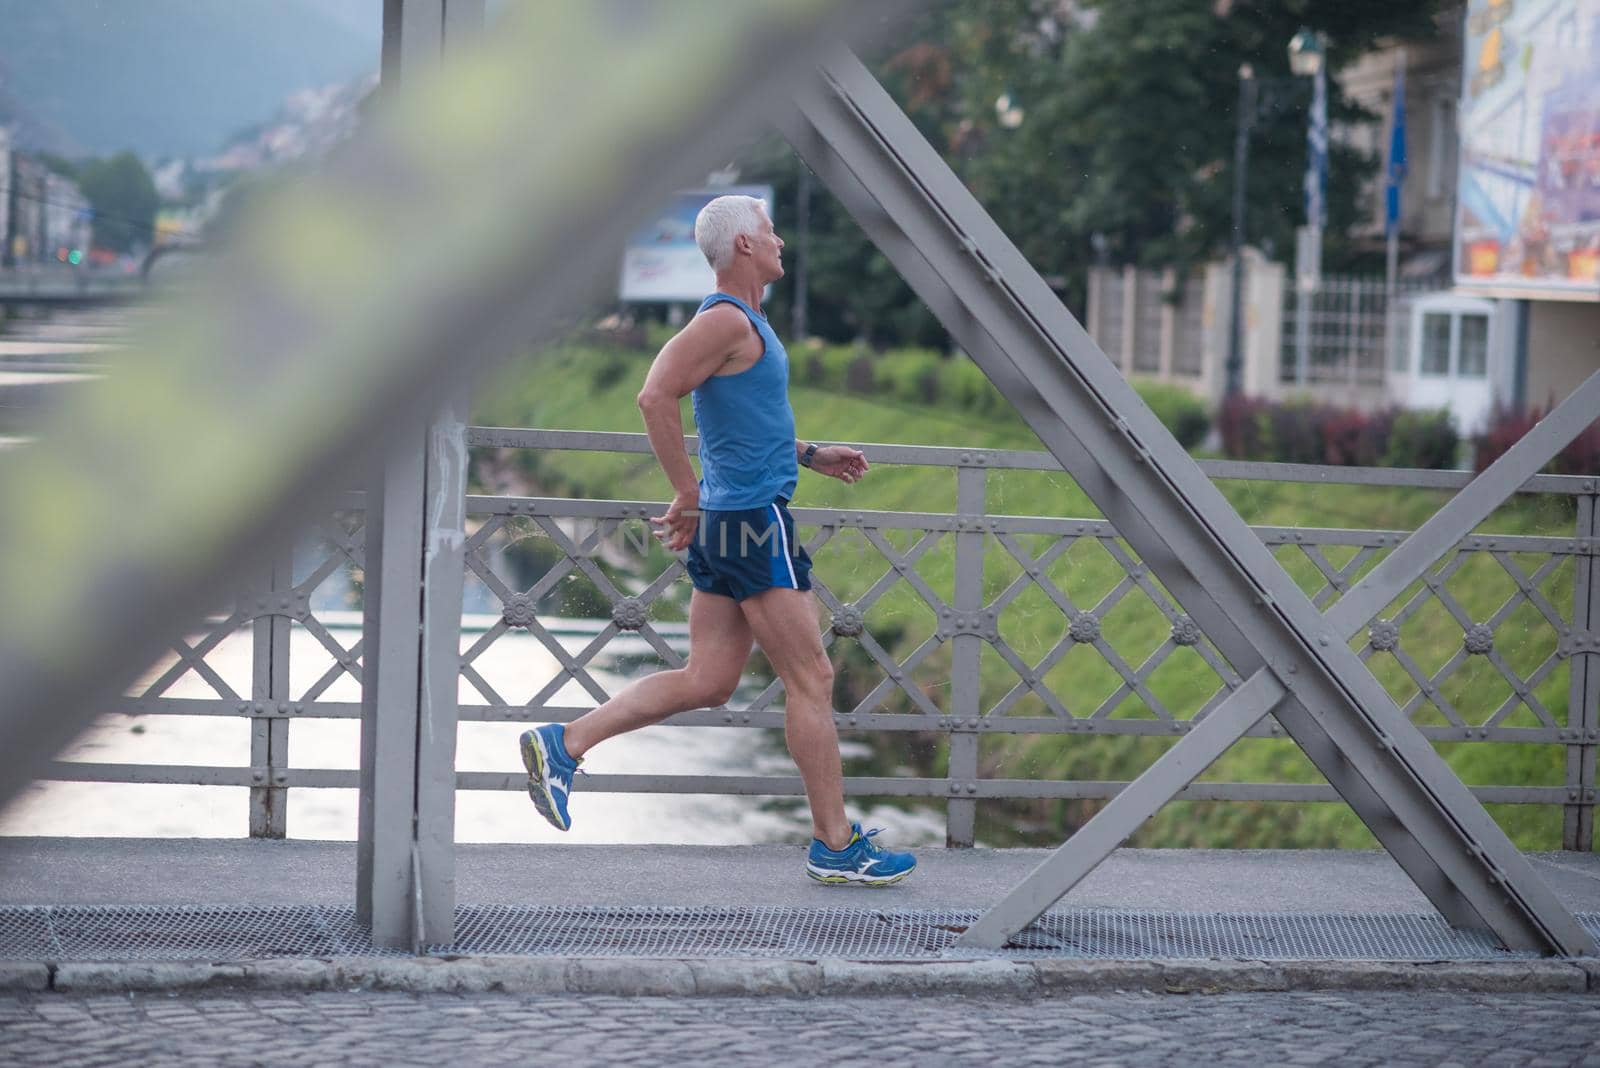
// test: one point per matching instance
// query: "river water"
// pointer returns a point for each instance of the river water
(515, 663)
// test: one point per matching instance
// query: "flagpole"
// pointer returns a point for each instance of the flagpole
(1394, 175)
(1307, 55)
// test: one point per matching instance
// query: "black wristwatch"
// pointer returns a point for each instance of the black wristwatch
(811, 450)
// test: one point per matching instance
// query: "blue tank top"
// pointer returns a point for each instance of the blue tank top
(746, 426)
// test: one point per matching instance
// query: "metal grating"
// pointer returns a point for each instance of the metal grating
(224, 934)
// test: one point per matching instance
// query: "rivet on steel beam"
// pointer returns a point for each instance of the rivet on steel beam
(281, 778)
(1322, 640)
(972, 787)
(955, 788)
(258, 776)
(972, 723)
(244, 706)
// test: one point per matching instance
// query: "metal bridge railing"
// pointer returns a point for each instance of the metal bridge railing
(957, 623)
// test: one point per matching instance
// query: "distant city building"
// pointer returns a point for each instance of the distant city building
(1502, 193)
(1496, 299)
(44, 216)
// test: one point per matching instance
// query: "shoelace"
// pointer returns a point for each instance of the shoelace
(873, 848)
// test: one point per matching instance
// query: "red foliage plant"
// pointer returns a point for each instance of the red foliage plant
(1507, 426)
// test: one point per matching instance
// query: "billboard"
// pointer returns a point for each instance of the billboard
(662, 263)
(1528, 196)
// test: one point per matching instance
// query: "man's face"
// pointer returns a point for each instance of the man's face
(766, 248)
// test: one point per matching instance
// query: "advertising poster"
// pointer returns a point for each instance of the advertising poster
(662, 263)
(1528, 202)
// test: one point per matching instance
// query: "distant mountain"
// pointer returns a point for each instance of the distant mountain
(171, 77)
(27, 131)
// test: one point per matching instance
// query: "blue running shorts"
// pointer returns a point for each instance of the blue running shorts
(740, 553)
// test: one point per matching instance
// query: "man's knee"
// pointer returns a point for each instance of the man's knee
(812, 678)
(713, 688)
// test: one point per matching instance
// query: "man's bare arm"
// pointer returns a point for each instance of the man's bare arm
(696, 353)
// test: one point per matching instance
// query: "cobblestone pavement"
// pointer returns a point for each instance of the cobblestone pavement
(365, 1028)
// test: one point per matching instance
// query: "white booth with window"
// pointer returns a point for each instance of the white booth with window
(1456, 359)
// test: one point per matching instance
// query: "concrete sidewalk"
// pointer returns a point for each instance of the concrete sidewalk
(122, 871)
(637, 920)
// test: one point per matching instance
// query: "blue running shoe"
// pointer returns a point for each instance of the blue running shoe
(550, 771)
(862, 861)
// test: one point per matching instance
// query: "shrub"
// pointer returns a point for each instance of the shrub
(1242, 425)
(859, 375)
(967, 387)
(912, 375)
(612, 368)
(1300, 432)
(1354, 439)
(1179, 410)
(1422, 439)
(827, 367)
(1506, 428)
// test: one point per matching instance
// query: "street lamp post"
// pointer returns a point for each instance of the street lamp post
(1241, 163)
(1306, 58)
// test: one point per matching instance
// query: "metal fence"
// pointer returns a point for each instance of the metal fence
(959, 623)
(1353, 333)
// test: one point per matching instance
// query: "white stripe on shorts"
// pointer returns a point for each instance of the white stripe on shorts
(788, 557)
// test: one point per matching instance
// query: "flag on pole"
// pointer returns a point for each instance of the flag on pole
(1316, 180)
(1396, 171)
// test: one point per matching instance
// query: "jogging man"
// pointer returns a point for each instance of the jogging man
(751, 577)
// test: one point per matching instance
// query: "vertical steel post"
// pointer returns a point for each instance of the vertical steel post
(966, 657)
(443, 571)
(1583, 695)
(269, 735)
(390, 671)
(405, 857)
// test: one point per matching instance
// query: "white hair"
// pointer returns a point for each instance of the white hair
(721, 222)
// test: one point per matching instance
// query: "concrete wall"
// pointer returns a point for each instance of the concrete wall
(1563, 348)
(1147, 334)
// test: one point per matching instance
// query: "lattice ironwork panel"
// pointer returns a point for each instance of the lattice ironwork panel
(530, 572)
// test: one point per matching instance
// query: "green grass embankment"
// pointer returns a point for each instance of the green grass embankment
(592, 387)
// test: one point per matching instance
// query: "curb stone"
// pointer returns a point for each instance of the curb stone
(24, 975)
(640, 977)
(934, 977)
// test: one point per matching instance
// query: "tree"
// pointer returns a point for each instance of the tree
(1128, 113)
(124, 200)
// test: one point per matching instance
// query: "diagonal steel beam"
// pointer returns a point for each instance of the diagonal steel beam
(1038, 355)
(1227, 723)
(943, 301)
(472, 214)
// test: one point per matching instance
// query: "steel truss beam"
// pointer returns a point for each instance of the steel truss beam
(942, 241)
